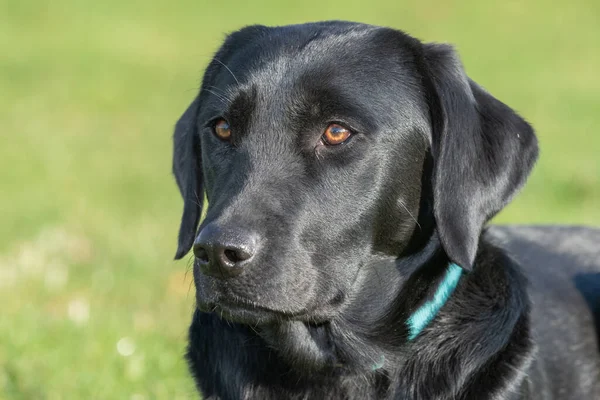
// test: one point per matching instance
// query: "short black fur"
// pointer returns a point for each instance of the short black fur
(334, 247)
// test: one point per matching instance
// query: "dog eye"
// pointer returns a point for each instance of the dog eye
(222, 129)
(335, 134)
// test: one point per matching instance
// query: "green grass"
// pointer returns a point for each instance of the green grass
(89, 93)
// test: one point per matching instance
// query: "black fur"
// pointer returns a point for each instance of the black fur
(355, 237)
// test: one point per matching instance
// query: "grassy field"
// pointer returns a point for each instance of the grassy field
(92, 307)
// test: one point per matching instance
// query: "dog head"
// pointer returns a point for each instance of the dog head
(327, 149)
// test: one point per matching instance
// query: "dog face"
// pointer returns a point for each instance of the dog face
(326, 149)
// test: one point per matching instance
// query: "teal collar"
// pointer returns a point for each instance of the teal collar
(428, 310)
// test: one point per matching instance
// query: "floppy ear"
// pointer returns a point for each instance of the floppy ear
(188, 174)
(482, 150)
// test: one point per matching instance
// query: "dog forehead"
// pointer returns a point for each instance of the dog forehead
(276, 54)
(350, 56)
(369, 64)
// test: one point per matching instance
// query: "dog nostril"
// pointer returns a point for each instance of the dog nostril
(232, 255)
(236, 255)
(201, 254)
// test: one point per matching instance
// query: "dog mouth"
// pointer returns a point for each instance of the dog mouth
(251, 313)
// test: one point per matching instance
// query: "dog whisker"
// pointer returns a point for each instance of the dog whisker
(409, 213)
(227, 68)
(218, 96)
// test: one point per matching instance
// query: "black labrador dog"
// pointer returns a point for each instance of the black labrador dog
(349, 171)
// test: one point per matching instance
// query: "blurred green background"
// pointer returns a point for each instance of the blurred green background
(92, 305)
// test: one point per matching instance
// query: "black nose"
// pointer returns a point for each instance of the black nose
(223, 253)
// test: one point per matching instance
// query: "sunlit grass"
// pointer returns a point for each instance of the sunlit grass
(92, 304)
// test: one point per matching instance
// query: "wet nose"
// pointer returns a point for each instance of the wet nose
(223, 253)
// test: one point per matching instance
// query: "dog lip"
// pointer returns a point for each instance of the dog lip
(233, 306)
(249, 312)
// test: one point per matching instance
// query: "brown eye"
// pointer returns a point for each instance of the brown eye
(222, 130)
(335, 134)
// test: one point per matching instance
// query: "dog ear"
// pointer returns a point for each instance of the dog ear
(482, 151)
(188, 174)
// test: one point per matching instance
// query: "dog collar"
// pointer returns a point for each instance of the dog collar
(428, 310)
